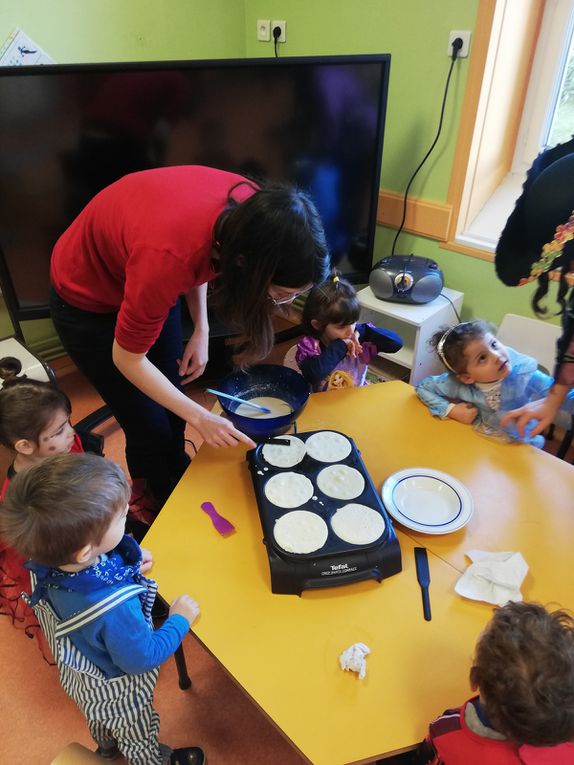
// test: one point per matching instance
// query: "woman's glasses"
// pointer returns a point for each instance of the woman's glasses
(288, 298)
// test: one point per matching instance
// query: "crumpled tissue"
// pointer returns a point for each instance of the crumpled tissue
(353, 659)
(493, 577)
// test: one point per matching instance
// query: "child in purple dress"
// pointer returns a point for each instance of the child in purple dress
(336, 350)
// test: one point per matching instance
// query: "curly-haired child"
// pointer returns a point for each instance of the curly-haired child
(524, 672)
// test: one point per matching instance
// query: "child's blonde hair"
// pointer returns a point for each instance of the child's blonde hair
(58, 506)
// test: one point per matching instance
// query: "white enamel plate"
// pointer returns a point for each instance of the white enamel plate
(427, 500)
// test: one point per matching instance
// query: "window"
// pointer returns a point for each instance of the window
(526, 102)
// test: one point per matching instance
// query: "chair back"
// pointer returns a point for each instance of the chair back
(289, 360)
(533, 337)
(538, 339)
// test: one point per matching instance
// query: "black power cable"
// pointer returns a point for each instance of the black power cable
(276, 36)
(456, 46)
(456, 313)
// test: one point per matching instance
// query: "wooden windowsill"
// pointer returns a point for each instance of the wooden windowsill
(464, 249)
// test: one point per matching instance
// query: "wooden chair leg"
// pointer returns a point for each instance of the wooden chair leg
(183, 677)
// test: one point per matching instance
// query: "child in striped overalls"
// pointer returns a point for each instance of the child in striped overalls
(67, 515)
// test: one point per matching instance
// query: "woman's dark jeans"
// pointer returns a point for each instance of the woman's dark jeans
(155, 446)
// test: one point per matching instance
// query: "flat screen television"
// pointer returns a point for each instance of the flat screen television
(68, 131)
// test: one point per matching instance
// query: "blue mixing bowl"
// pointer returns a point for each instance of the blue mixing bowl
(265, 380)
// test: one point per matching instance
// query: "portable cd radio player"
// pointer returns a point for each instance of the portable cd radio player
(406, 279)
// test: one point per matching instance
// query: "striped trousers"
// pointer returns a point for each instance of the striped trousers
(118, 710)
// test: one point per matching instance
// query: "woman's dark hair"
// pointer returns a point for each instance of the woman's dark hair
(26, 408)
(332, 302)
(456, 338)
(274, 237)
(524, 669)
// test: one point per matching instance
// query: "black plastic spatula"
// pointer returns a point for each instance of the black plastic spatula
(423, 577)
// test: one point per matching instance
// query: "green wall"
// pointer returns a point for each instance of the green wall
(90, 31)
(414, 32)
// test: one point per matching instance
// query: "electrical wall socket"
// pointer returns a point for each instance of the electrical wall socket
(283, 27)
(465, 37)
(263, 30)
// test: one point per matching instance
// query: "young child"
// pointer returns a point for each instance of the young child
(92, 601)
(524, 713)
(336, 351)
(35, 424)
(485, 380)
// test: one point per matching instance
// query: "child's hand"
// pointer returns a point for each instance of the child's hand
(353, 345)
(465, 413)
(185, 606)
(147, 561)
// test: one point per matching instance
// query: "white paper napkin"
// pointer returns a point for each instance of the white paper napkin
(353, 659)
(493, 577)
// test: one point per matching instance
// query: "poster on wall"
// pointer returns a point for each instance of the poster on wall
(20, 50)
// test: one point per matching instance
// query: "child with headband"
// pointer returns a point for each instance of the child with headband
(336, 351)
(485, 379)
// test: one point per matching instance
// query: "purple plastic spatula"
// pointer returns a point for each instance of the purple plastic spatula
(221, 524)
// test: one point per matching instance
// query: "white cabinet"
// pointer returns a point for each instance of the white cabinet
(416, 324)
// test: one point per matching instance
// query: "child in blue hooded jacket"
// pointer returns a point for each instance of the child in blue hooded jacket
(67, 514)
(485, 379)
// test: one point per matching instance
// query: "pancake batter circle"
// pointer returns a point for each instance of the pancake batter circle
(341, 482)
(300, 531)
(358, 524)
(283, 456)
(288, 489)
(328, 446)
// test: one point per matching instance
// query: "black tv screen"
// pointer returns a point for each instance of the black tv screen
(68, 131)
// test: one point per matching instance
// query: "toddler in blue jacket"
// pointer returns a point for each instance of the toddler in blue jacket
(67, 515)
(485, 379)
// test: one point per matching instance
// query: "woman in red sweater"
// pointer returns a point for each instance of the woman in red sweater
(117, 273)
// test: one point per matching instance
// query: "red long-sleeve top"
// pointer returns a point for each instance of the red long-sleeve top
(139, 244)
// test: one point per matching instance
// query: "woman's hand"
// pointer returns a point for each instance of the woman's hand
(465, 413)
(217, 431)
(147, 561)
(544, 410)
(195, 356)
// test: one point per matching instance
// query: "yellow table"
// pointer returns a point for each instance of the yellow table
(283, 649)
(523, 497)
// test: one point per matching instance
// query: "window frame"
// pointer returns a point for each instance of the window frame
(552, 22)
